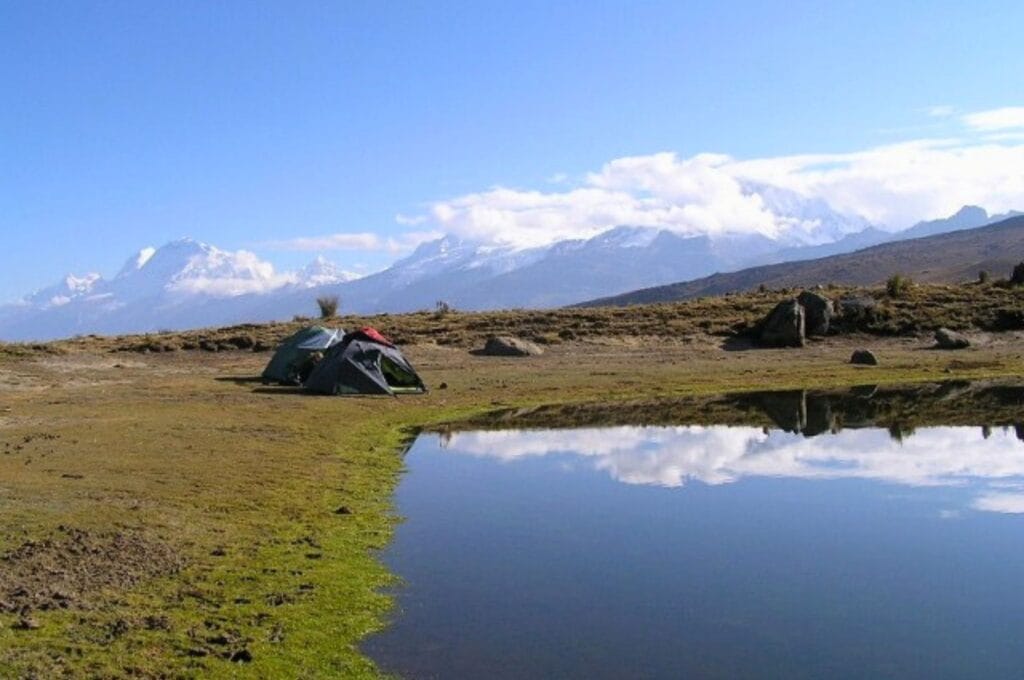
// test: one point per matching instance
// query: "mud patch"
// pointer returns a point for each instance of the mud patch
(74, 568)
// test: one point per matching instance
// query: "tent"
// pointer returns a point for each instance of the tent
(364, 362)
(294, 356)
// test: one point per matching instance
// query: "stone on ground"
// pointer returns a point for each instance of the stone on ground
(508, 346)
(784, 325)
(947, 339)
(864, 357)
(818, 312)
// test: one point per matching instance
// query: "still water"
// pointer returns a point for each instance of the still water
(732, 551)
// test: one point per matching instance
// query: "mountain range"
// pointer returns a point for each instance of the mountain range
(936, 255)
(188, 284)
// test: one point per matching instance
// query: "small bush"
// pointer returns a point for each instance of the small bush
(328, 306)
(983, 277)
(898, 285)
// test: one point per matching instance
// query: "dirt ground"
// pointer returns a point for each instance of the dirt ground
(168, 515)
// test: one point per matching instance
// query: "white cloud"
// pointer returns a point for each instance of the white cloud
(1008, 117)
(1012, 503)
(409, 240)
(892, 186)
(410, 220)
(227, 274)
(357, 241)
(899, 184)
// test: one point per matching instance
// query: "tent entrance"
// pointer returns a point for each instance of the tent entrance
(398, 379)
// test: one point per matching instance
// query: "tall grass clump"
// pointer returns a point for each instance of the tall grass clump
(898, 285)
(328, 305)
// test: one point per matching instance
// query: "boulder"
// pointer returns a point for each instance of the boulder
(857, 307)
(818, 312)
(947, 339)
(784, 325)
(507, 346)
(864, 357)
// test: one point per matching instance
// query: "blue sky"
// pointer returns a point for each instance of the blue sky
(250, 125)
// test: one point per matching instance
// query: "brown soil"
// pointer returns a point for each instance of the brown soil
(73, 567)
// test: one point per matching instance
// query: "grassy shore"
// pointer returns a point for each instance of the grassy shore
(232, 521)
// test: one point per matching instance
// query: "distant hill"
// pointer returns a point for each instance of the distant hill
(943, 258)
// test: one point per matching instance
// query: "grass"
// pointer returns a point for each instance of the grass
(246, 483)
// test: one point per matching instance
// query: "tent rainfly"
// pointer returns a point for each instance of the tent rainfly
(293, 358)
(364, 362)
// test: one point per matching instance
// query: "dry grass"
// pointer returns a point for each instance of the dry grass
(918, 311)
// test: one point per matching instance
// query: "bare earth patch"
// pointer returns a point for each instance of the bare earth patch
(73, 568)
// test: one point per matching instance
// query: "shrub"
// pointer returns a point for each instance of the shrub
(983, 277)
(1017, 277)
(898, 285)
(328, 306)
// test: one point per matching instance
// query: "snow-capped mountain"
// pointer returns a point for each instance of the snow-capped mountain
(184, 283)
(322, 272)
(70, 288)
(187, 284)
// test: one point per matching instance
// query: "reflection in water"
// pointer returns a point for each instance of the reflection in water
(873, 533)
(900, 409)
(866, 423)
(671, 456)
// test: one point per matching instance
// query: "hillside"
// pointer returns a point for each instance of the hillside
(944, 258)
(971, 307)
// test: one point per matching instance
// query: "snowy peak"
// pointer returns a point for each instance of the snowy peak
(322, 272)
(211, 271)
(625, 237)
(190, 267)
(70, 288)
(805, 221)
(136, 262)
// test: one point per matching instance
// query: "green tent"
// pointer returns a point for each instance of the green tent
(294, 356)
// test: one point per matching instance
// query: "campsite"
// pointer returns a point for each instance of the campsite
(511, 340)
(257, 511)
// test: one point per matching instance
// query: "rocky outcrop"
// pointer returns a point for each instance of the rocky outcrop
(818, 312)
(508, 346)
(864, 357)
(947, 339)
(784, 326)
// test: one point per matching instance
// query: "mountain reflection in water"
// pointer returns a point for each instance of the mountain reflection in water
(869, 437)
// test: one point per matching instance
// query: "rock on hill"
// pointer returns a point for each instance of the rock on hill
(944, 258)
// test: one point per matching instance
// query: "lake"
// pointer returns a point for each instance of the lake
(842, 536)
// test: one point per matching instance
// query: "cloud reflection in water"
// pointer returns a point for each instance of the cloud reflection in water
(672, 456)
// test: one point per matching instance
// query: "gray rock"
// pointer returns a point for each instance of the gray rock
(857, 306)
(947, 339)
(864, 357)
(784, 325)
(507, 346)
(818, 312)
